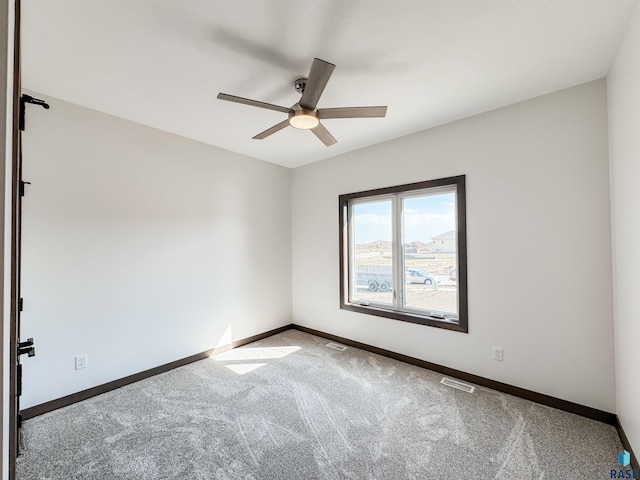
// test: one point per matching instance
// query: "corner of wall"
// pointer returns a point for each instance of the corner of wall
(624, 175)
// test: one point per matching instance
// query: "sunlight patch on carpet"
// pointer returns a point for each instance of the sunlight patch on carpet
(242, 368)
(258, 353)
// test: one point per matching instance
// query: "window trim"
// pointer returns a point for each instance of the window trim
(461, 267)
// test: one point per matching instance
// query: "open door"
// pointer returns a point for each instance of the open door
(14, 328)
(18, 347)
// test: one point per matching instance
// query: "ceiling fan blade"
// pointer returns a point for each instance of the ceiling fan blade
(318, 77)
(253, 103)
(272, 130)
(352, 112)
(324, 135)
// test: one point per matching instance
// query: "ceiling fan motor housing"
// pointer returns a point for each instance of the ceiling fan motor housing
(300, 84)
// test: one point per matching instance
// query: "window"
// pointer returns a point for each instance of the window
(403, 253)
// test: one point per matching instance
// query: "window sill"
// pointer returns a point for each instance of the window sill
(406, 317)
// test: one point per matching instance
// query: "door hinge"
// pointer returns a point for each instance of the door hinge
(27, 347)
(22, 184)
(20, 304)
(24, 99)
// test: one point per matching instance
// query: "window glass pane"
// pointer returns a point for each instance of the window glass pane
(371, 250)
(429, 250)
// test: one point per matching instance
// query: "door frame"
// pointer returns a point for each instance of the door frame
(14, 174)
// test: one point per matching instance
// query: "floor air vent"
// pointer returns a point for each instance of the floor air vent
(459, 385)
(336, 346)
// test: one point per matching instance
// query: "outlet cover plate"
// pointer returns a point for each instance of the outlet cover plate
(498, 353)
(81, 361)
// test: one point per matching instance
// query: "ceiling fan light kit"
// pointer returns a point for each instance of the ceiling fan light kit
(304, 115)
(303, 119)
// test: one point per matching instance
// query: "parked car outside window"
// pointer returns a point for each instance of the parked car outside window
(420, 276)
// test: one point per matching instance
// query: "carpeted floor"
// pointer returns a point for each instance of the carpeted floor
(289, 407)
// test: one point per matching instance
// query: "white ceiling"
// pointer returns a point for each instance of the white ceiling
(162, 63)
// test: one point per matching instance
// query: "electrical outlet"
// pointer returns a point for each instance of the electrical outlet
(81, 361)
(498, 353)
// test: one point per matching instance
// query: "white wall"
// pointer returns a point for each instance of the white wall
(535, 170)
(141, 247)
(624, 134)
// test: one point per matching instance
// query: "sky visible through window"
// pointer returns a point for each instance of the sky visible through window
(424, 218)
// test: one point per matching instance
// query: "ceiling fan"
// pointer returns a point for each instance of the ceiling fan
(304, 115)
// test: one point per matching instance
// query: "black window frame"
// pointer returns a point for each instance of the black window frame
(461, 267)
